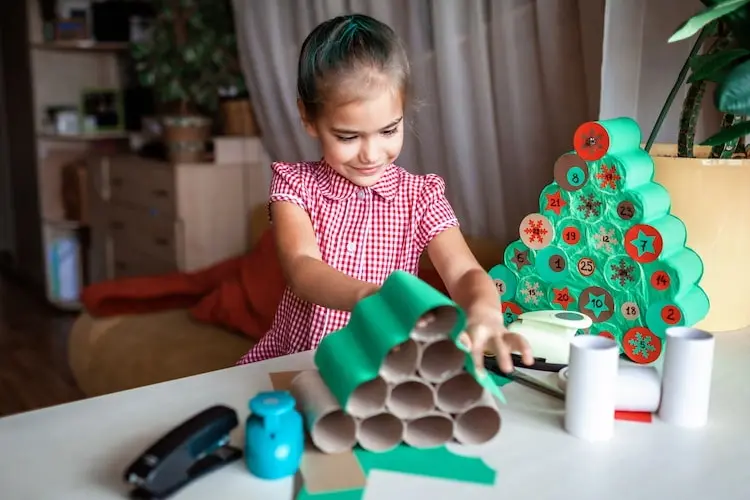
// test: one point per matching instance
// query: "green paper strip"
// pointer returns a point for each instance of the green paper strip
(352, 356)
(673, 234)
(645, 203)
(436, 462)
(624, 134)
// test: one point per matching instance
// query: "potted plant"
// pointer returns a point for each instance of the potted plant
(184, 61)
(709, 184)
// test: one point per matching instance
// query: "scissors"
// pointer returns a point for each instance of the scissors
(490, 363)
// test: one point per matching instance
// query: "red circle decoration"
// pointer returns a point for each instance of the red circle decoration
(660, 280)
(591, 141)
(571, 235)
(641, 345)
(607, 334)
(510, 311)
(671, 315)
(643, 243)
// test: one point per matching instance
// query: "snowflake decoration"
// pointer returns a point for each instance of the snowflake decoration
(641, 345)
(622, 272)
(590, 206)
(608, 177)
(605, 238)
(536, 231)
(531, 293)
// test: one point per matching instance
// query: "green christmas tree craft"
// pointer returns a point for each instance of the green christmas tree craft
(604, 243)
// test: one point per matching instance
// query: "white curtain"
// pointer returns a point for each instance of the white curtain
(502, 86)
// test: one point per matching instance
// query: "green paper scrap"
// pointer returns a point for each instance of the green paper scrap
(608, 247)
(436, 462)
(352, 355)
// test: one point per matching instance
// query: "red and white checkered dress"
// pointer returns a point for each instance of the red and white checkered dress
(366, 233)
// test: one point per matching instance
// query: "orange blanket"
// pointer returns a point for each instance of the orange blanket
(239, 294)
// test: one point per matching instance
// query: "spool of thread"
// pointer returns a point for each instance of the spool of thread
(639, 205)
(674, 275)
(588, 205)
(686, 377)
(591, 388)
(519, 258)
(554, 202)
(623, 171)
(638, 388)
(685, 309)
(506, 282)
(592, 140)
(622, 273)
(553, 265)
(532, 293)
(662, 237)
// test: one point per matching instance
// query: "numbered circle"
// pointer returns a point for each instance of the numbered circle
(671, 315)
(511, 311)
(552, 265)
(586, 266)
(518, 256)
(660, 280)
(591, 141)
(557, 263)
(626, 210)
(643, 243)
(596, 303)
(641, 345)
(571, 172)
(571, 235)
(563, 298)
(536, 231)
(505, 281)
(630, 311)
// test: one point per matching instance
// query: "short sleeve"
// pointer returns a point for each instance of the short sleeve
(287, 184)
(436, 212)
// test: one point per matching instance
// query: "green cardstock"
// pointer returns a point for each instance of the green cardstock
(353, 355)
(604, 243)
(436, 462)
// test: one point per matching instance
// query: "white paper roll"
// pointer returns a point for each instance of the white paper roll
(592, 382)
(638, 387)
(686, 377)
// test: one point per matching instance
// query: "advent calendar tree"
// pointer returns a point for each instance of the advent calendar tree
(604, 243)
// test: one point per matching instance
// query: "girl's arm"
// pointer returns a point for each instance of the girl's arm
(307, 275)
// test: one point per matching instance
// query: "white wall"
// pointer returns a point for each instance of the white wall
(639, 67)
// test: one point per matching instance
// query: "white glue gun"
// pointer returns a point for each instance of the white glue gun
(549, 333)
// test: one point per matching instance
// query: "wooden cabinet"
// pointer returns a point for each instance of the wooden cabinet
(151, 217)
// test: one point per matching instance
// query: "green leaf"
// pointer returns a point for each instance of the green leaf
(713, 66)
(733, 94)
(728, 134)
(698, 21)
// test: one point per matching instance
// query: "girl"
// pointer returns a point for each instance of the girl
(344, 223)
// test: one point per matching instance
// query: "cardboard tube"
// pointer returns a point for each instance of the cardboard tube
(429, 431)
(435, 324)
(638, 387)
(331, 430)
(686, 377)
(440, 360)
(592, 386)
(400, 363)
(411, 398)
(368, 399)
(480, 423)
(381, 432)
(458, 393)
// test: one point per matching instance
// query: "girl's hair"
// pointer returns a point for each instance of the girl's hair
(343, 56)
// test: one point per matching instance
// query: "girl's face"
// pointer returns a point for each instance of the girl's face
(361, 138)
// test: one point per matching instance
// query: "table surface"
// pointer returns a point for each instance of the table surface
(80, 450)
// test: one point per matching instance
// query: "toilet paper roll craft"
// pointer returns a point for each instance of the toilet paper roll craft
(604, 243)
(274, 436)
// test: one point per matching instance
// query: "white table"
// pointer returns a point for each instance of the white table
(79, 450)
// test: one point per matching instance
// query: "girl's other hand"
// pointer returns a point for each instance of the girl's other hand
(486, 331)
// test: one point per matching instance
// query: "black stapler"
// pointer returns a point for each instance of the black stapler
(194, 448)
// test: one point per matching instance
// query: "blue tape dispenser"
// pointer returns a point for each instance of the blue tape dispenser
(274, 435)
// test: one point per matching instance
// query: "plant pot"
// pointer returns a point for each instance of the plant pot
(185, 137)
(238, 119)
(712, 198)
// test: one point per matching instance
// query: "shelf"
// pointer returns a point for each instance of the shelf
(81, 46)
(96, 136)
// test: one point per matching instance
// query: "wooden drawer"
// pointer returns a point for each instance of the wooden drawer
(144, 183)
(157, 237)
(128, 262)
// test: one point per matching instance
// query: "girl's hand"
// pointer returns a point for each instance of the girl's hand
(485, 331)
